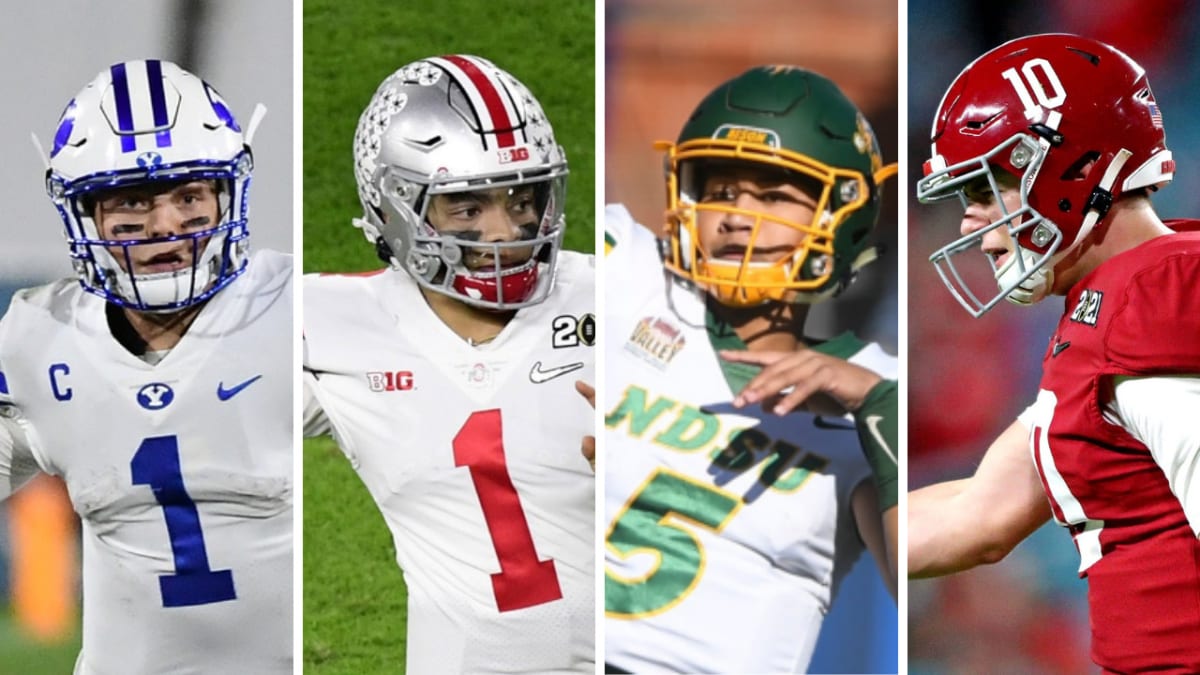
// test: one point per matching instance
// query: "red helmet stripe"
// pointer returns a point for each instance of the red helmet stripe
(489, 98)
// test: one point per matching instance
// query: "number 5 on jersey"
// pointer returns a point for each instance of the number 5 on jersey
(644, 527)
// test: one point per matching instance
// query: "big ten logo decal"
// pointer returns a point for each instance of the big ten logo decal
(571, 331)
(400, 380)
(507, 155)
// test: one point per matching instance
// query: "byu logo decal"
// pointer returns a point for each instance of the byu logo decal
(155, 396)
(149, 160)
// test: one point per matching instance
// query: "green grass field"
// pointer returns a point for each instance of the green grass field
(20, 654)
(354, 617)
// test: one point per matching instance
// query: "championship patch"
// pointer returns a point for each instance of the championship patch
(573, 331)
(1088, 308)
(655, 341)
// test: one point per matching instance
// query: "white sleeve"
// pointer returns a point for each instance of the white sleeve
(619, 226)
(1161, 413)
(316, 423)
(17, 463)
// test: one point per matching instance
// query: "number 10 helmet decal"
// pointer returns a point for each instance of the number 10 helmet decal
(1074, 121)
(143, 122)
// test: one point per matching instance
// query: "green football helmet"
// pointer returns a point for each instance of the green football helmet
(800, 124)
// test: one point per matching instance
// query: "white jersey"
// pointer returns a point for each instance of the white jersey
(17, 463)
(728, 530)
(181, 472)
(473, 456)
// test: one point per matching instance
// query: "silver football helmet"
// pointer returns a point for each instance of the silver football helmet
(459, 124)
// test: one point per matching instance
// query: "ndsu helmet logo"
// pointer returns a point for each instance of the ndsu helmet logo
(745, 134)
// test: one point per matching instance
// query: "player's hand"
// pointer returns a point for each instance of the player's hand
(824, 384)
(588, 447)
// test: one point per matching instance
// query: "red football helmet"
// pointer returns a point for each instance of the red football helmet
(1074, 120)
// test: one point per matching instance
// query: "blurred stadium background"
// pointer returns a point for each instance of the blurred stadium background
(50, 50)
(354, 594)
(969, 378)
(662, 57)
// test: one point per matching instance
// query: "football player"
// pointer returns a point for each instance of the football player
(157, 385)
(732, 519)
(449, 378)
(1053, 144)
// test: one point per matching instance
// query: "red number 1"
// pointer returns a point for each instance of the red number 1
(523, 580)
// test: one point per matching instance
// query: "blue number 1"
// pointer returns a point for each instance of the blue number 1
(156, 463)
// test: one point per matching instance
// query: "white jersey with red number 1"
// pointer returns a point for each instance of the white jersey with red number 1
(472, 454)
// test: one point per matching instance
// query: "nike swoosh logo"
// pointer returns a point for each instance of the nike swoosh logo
(873, 426)
(823, 422)
(226, 394)
(538, 375)
(1059, 346)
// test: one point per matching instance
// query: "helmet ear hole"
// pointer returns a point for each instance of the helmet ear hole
(1080, 168)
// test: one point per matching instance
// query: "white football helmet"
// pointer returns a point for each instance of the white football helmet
(150, 121)
(454, 124)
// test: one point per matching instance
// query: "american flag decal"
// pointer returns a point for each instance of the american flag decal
(1155, 116)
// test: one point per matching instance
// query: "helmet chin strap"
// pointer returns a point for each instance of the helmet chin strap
(1105, 187)
(256, 117)
(37, 143)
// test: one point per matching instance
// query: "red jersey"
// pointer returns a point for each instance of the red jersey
(1137, 314)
